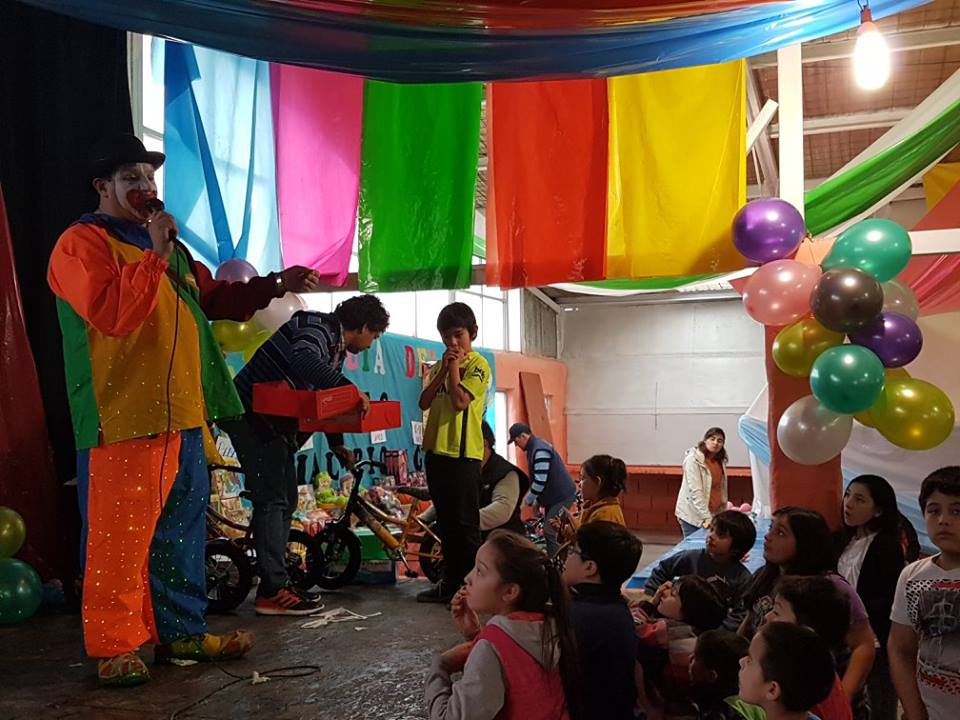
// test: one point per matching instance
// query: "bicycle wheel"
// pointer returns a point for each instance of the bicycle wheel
(432, 565)
(337, 559)
(299, 559)
(229, 575)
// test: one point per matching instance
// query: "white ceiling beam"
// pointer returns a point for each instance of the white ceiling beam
(842, 49)
(914, 192)
(760, 122)
(790, 95)
(762, 146)
(820, 125)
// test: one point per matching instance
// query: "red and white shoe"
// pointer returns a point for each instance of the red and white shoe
(286, 602)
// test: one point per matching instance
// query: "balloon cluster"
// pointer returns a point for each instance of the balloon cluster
(20, 588)
(247, 337)
(853, 295)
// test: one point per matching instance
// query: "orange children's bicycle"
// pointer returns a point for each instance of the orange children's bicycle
(335, 558)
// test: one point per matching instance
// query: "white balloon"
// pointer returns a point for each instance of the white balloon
(810, 434)
(898, 297)
(279, 311)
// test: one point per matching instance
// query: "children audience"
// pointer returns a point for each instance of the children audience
(602, 480)
(523, 662)
(814, 601)
(804, 649)
(924, 640)
(787, 671)
(601, 559)
(871, 557)
(799, 543)
(729, 538)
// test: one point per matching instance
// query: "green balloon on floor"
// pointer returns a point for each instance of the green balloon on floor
(13, 531)
(20, 591)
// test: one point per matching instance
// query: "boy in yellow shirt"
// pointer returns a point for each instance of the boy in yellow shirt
(453, 442)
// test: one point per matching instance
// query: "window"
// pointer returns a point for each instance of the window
(411, 313)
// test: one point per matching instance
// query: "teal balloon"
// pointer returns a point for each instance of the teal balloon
(877, 246)
(847, 379)
(20, 591)
(13, 531)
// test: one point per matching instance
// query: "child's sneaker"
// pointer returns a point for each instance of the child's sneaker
(286, 602)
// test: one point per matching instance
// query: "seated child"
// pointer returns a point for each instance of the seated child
(667, 628)
(602, 557)
(602, 480)
(788, 670)
(523, 663)
(714, 668)
(816, 602)
(730, 536)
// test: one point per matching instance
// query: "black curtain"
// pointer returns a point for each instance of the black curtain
(63, 85)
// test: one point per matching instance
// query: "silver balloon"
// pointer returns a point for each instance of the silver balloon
(279, 311)
(810, 434)
(898, 297)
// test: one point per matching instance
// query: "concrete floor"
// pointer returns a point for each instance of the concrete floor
(374, 674)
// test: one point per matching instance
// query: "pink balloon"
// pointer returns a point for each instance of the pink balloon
(778, 293)
(235, 270)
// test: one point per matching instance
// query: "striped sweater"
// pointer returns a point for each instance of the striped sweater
(307, 352)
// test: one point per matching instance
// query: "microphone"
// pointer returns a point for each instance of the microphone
(155, 204)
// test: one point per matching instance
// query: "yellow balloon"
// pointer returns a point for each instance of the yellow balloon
(798, 345)
(913, 414)
(233, 336)
(889, 374)
(259, 339)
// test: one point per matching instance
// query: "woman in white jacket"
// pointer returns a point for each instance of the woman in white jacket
(703, 490)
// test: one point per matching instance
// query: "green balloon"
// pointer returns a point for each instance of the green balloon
(20, 591)
(877, 246)
(847, 378)
(13, 531)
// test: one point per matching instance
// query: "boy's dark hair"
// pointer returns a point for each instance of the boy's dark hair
(720, 651)
(739, 527)
(363, 310)
(610, 471)
(945, 480)
(457, 315)
(704, 602)
(818, 604)
(614, 549)
(799, 661)
(488, 437)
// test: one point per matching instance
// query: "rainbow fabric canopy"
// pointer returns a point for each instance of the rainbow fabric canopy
(475, 40)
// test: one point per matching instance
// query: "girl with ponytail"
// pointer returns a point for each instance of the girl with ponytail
(522, 665)
(602, 479)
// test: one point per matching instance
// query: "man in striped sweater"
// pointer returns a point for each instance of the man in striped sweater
(308, 353)
(551, 486)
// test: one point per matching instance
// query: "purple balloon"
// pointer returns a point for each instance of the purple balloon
(235, 270)
(768, 229)
(895, 338)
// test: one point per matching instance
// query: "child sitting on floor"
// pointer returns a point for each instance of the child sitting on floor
(730, 536)
(667, 628)
(523, 663)
(787, 671)
(602, 557)
(814, 601)
(714, 668)
(602, 480)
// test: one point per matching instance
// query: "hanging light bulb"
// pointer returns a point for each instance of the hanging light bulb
(871, 56)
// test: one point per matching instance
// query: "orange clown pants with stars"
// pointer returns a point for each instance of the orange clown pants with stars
(143, 502)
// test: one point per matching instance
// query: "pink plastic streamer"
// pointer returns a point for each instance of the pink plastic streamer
(317, 122)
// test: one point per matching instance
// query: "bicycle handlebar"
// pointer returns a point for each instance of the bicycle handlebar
(363, 464)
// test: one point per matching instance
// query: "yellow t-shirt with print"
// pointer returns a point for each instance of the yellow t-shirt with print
(458, 434)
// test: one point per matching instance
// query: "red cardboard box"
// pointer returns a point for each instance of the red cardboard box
(333, 410)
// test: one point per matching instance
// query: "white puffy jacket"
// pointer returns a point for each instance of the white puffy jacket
(693, 502)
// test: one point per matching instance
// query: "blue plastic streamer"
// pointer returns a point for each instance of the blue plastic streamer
(403, 52)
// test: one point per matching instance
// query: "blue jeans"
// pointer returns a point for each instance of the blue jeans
(686, 528)
(549, 532)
